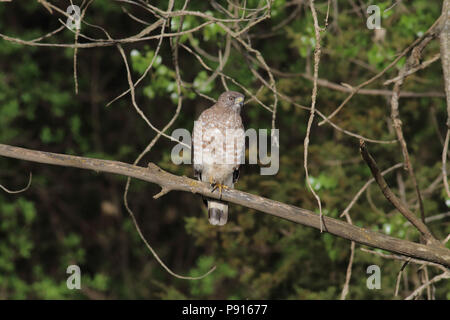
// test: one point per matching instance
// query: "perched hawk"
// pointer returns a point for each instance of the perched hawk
(219, 149)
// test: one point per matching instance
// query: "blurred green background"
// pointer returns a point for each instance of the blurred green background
(71, 216)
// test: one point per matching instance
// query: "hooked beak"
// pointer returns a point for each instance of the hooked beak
(239, 101)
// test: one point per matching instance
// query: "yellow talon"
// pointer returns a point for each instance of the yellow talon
(220, 187)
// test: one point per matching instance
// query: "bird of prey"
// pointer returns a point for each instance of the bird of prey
(219, 148)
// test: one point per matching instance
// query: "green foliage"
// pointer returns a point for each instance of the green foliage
(323, 181)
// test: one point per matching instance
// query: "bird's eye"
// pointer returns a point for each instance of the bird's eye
(230, 98)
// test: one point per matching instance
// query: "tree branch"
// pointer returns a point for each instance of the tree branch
(154, 174)
(396, 202)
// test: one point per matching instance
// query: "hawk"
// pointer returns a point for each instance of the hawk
(219, 148)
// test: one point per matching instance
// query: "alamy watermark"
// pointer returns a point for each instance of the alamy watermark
(74, 280)
(374, 18)
(373, 281)
(229, 148)
(74, 19)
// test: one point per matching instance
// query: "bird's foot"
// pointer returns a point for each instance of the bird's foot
(219, 186)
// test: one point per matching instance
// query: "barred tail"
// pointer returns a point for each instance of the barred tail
(217, 212)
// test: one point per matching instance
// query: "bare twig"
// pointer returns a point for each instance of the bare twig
(348, 274)
(447, 238)
(150, 65)
(46, 5)
(21, 190)
(404, 258)
(444, 275)
(436, 217)
(397, 283)
(313, 107)
(392, 198)
(248, 92)
(415, 69)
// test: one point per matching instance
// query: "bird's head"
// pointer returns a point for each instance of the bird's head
(231, 99)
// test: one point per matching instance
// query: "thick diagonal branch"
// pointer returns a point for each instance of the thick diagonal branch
(396, 202)
(167, 181)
